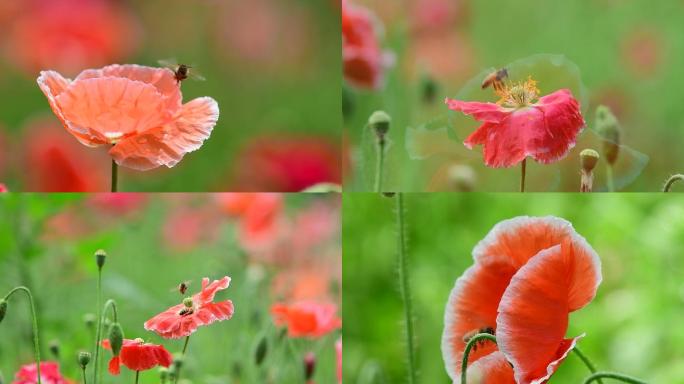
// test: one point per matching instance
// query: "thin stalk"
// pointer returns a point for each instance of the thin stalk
(84, 376)
(36, 340)
(185, 348)
(586, 361)
(474, 340)
(137, 376)
(673, 179)
(405, 287)
(380, 165)
(98, 335)
(110, 304)
(523, 173)
(613, 375)
(609, 178)
(115, 176)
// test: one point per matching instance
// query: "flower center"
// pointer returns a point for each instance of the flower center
(189, 307)
(518, 95)
(139, 341)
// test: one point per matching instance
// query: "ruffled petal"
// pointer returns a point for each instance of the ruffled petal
(472, 308)
(114, 365)
(167, 144)
(165, 321)
(487, 112)
(209, 289)
(563, 122)
(490, 369)
(534, 310)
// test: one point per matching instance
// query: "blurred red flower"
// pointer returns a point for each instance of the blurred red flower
(362, 57)
(258, 214)
(187, 227)
(55, 163)
(436, 16)
(3, 188)
(183, 319)
(49, 374)
(306, 319)
(68, 35)
(516, 127)
(287, 163)
(119, 203)
(137, 355)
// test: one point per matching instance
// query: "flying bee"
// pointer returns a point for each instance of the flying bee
(495, 79)
(181, 71)
(182, 287)
(471, 334)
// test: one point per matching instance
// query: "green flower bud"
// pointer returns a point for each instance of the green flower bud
(100, 257)
(429, 88)
(83, 359)
(163, 374)
(54, 348)
(89, 320)
(261, 350)
(379, 122)
(178, 360)
(608, 128)
(3, 309)
(116, 337)
(588, 159)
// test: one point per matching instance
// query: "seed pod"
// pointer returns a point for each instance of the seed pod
(100, 257)
(116, 337)
(588, 159)
(379, 122)
(3, 309)
(83, 359)
(608, 128)
(261, 350)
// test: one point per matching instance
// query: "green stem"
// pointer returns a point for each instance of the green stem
(115, 176)
(613, 375)
(473, 340)
(523, 173)
(673, 179)
(405, 287)
(380, 165)
(98, 335)
(185, 348)
(586, 361)
(609, 178)
(84, 376)
(137, 376)
(36, 340)
(110, 304)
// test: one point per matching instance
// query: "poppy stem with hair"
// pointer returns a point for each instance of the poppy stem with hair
(404, 285)
(100, 257)
(586, 362)
(613, 375)
(523, 173)
(379, 167)
(36, 340)
(115, 176)
(673, 179)
(185, 348)
(472, 342)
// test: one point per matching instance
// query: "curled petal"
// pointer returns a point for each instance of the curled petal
(209, 289)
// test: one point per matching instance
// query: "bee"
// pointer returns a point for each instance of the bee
(186, 312)
(182, 287)
(495, 79)
(471, 334)
(181, 71)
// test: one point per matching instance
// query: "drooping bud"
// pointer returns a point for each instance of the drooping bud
(261, 351)
(3, 309)
(608, 127)
(54, 348)
(100, 257)
(89, 320)
(309, 365)
(116, 337)
(379, 122)
(461, 178)
(588, 160)
(83, 359)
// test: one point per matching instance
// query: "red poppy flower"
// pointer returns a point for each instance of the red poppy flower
(49, 374)
(3, 188)
(361, 54)
(307, 319)
(137, 110)
(137, 355)
(516, 127)
(529, 275)
(258, 214)
(183, 319)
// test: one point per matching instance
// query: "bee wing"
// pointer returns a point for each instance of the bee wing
(169, 63)
(195, 75)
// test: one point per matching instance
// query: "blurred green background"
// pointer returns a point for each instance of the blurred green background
(270, 65)
(47, 243)
(629, 54)
(632, 326)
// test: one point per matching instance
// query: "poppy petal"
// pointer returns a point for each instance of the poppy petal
(114, 365)
(167, 144)
(472, 307)
(491, 369)
(486, 112)
(534, 309)
(209, 289)
(53, 84)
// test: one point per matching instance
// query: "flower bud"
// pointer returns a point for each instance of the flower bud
(83, 359)
(261, 350)
(100, 257)
(163, 374)
(608, 128)
(89, 320)
(309, 365)
(178, 360)
(379, 122)
(3, 309)
(54, 348)
(588, 159)
(116, 337)
(461, 178)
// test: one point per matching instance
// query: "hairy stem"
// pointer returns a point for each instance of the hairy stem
(380, 165)
(185, 348)
(115, 176)
(36, 340)
(615, 376)
(404, 285)
(673, 179)
(98, 334)
(523, 173)
(471, 343)
(586, 361)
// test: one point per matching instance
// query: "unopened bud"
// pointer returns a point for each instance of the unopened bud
(429, 88)
(3, 309)
(608, 128)
(261, 350)
(178, 360)
(89, 320)
(100, 257)
(54, 348)
(588, 159)
(116, 338)
(309, 365)
(83, 359)
(379, 122)
(163, 374)
(461, 178)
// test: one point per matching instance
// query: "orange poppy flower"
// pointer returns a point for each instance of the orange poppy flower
(138, 110)
(307, 319)
(529, 274)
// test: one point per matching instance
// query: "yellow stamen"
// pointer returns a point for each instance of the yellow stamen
(518, 95)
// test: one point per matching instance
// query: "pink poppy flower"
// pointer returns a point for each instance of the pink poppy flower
(70, 34)
(138, 110)
(3, 188)
(119, 203)
(529, 275)
(183, 319)
(361, 54)
(49, 374)
(306, 319)
(258, 214)
(338, 352)
(517, 127)
(137, 355)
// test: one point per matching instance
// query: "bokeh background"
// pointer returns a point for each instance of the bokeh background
(628, 56)
(270, 65)
(631, 326)
(154, 242)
